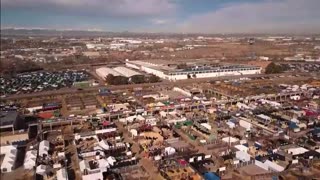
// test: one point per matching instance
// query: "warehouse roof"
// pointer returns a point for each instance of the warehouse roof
(8, 117)
(104, 72)
(126, 71)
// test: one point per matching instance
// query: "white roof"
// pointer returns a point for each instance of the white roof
(126, 71)
(231, 124)
(296, 151)
(84, 165)
(6, 149)
(262, 116)
(104, 72)
(241, 147)
(94, 176)
(170, 150)
(134, 132)
(44, 147)
(9, 159)
(274, 166)
(101, 131)
(137, 117)
(243, 156)
(62, 174)
(111, 160)
(41, 169)
(230, 139)
(206, 125)
(103, 165)
(30, 159)
(104, 145)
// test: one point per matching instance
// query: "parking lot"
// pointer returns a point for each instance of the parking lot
(40, 81)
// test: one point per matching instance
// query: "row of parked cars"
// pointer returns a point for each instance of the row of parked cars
(40, 81)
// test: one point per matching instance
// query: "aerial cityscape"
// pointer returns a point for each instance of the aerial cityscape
(160, 90)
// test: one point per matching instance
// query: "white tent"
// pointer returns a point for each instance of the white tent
(103, 165)
(30, 159)
(62, 174)
(93, 176)
(10, 153)
(231, 124)
(297, 151)
(169, 150)
(44, 147)
(159, 104)
(206, 125)
(163, 114)
(241, 147)
(83, 165)
(111, 160)
(41, 169)
(243, 156)
(8, 161)
(104, 144)
(230, 139)
(273, 166)
(61, 155)
(134, 132)
(135, 117)
(157, 158)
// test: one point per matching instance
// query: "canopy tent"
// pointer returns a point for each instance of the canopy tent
(169, 151)
(41, 169)
(62, 174)
(30, 159)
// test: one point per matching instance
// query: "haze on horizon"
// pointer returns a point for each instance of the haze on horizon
(181, 16)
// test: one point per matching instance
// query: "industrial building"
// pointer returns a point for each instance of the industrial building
(125, 71)
(173, 72)
(103, 72)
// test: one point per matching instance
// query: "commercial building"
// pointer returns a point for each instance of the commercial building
(103, 72)
(172, 73)
(126, 72)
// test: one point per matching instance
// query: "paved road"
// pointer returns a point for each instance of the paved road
(128, 86)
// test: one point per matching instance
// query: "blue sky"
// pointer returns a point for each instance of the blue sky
(204, 16)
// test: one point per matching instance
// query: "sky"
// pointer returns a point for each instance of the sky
(181, 16)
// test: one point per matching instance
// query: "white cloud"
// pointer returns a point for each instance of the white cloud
(112, 8)
(295, 16)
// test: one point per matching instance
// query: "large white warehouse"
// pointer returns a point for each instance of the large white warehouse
(103, 72)
(126, 72)
(173, 73)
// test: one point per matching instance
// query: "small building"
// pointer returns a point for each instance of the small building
(10, 120)
(30, 160)
(10, 154)
(44, 147)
